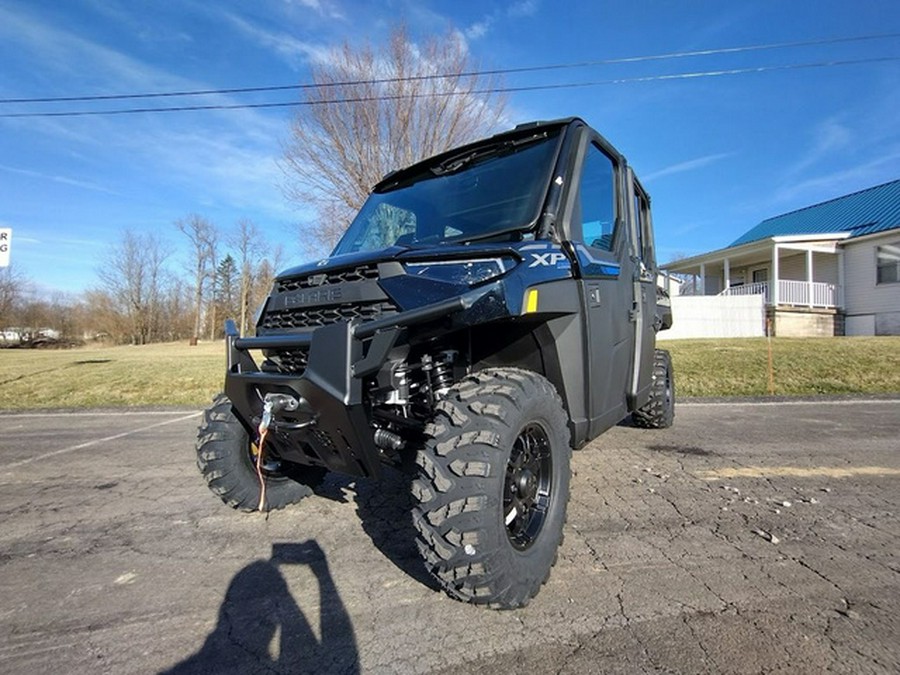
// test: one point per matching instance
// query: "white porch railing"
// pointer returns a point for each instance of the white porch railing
(759, 288)
(796, 293)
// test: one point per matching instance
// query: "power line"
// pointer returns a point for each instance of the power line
(490, 90)
(474, 73)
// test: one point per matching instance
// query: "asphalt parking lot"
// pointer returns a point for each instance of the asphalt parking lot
(749, 538)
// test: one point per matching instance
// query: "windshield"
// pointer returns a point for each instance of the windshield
(477, 194)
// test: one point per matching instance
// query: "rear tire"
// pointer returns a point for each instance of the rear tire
(659, 411)
(493, 486)
(225, 459)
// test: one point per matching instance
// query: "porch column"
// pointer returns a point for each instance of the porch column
(774, 291)
(727, 274)
(702, 278)
(809, 276)
(840, 289)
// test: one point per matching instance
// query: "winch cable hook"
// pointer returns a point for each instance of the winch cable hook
(268, 407)
(272, 403)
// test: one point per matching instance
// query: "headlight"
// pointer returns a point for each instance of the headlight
(468, 272)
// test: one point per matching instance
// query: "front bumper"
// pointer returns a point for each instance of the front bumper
(331, 426)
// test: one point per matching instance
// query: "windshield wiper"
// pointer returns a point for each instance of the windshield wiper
(480, 236)
(460, 161)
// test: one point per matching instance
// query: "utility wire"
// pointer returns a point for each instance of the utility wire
(490, 90)
(474, 73)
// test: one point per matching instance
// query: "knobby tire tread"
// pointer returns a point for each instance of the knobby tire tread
(458, 492)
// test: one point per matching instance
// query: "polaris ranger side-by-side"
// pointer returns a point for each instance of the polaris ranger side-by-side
(487, 310)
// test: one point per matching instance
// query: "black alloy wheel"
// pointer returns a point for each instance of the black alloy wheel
(529, 485)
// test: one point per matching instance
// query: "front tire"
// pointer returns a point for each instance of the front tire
(225, 459)
(493, 486)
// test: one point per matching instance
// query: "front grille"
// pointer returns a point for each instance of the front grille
(311, 317)
(364, 273)
(315, 317)
(291, 360)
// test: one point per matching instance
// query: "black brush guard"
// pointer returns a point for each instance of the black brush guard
(331, 418)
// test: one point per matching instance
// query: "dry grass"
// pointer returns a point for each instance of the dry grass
(176, 374)
(167, 374)
(847, 365)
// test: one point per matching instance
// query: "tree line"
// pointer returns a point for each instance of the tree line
(141, 297)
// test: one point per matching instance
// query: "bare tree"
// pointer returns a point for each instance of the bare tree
(104, 316)
(13, 285)
(264, 276)
(379, 109)
(212, 306)
(133, 275)
(55, 317)
(250, 247)
(177, 316)
(204, 239)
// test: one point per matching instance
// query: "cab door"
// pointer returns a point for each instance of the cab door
(644, 281)
(598, 225)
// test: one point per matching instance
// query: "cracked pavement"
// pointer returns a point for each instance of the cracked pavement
(749, 538)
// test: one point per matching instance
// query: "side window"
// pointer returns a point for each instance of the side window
(642, 226)
(596, 199)
(639, 218)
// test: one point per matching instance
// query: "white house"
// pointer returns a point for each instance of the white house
(828, 269)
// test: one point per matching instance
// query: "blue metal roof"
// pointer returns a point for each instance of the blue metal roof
(865, 212)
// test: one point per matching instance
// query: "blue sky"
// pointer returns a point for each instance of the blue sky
(717, 154)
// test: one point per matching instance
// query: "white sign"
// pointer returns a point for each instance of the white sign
(5, 242)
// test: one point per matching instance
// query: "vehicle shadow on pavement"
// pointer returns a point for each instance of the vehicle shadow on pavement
(385, 511)
(262, 629)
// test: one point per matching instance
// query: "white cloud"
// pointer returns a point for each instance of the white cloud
(844, 181)
(65, 180)
(853, 150)
(19, 239)
(296, 53)
(479, 29)
(329, 10)
(689, 165)
(65, 53)
(523, 8)
(230, 155)
(517, 10)
(828, 137)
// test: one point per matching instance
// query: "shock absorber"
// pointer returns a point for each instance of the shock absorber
(399, 394)
(442, 373)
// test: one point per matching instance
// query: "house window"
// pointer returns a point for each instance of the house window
(888, 264)
(761, 276)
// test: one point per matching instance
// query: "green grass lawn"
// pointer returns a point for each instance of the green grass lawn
(176, 374)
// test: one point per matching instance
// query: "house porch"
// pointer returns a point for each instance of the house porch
(800, 279)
